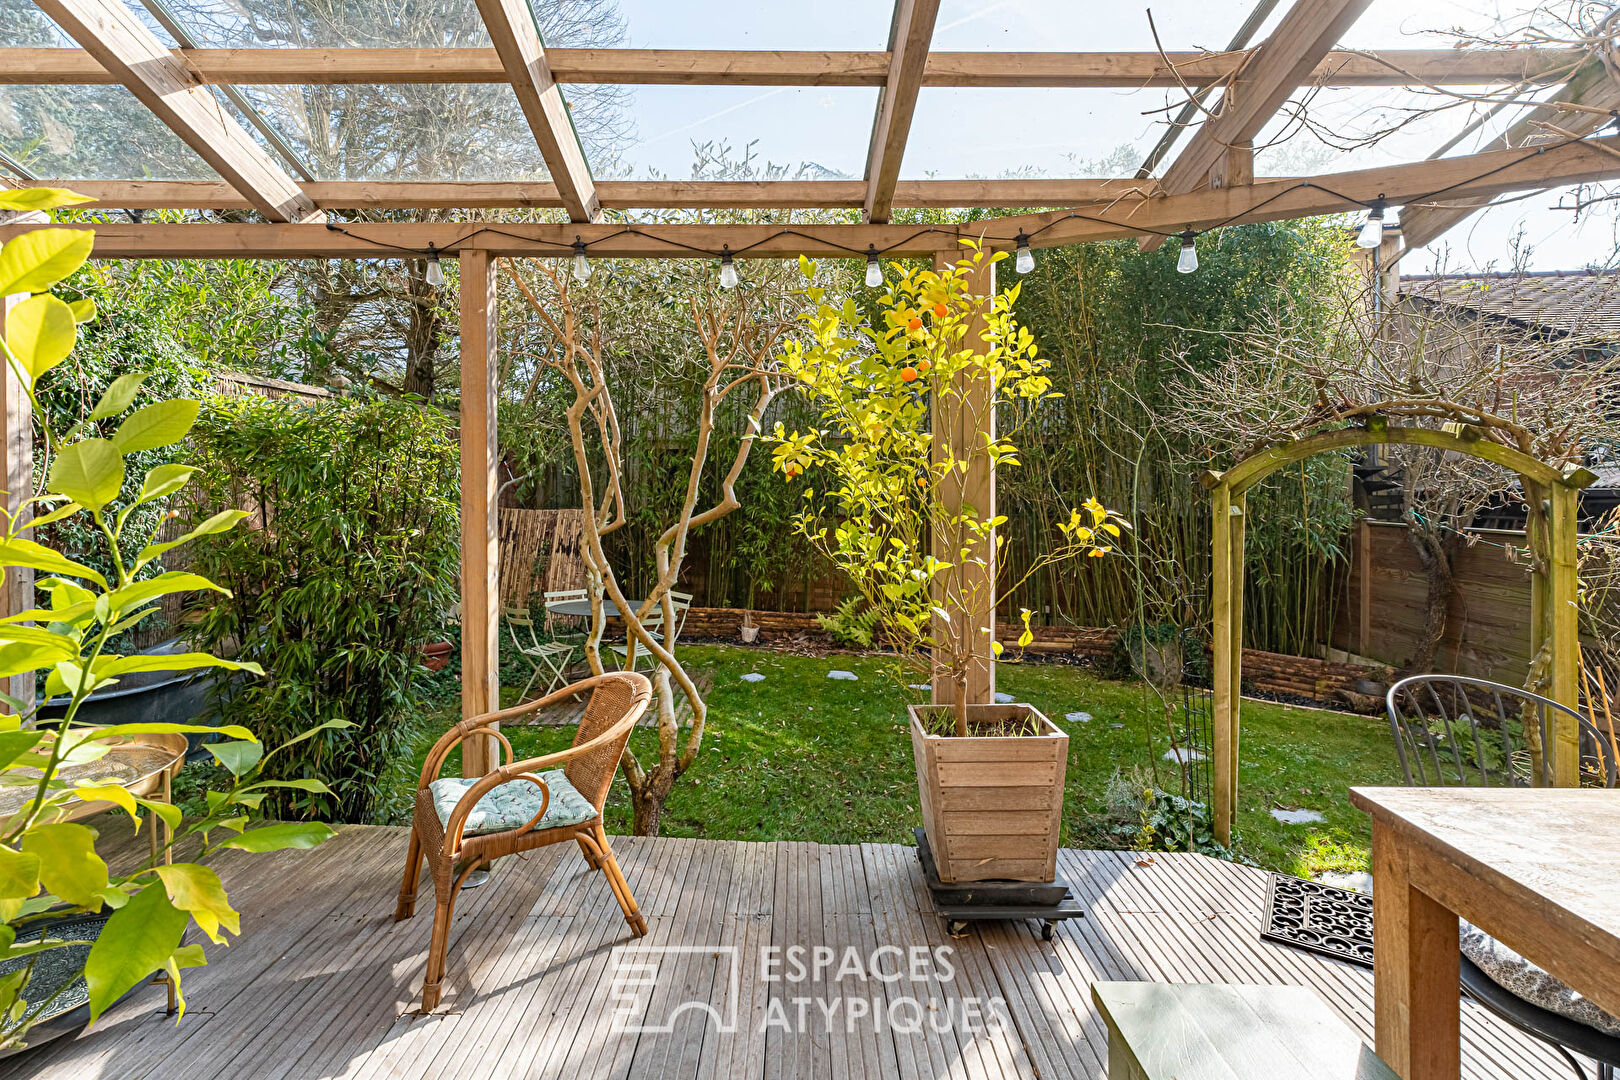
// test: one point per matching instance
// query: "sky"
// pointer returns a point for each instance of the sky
(960, 133)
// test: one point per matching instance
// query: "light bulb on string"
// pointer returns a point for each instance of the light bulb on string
(1187, 261)
(1372, 233)
(728, 269)
(874, 271)
(1024, 262)
(582, 265)
(435, 272)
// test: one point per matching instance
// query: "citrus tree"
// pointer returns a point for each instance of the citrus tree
(890, 514)
(50, 866)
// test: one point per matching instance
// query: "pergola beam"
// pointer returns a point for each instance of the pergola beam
(516, 38)
(1590, 86)
(1485, 174)
(909, 40)
(121, 43)
(705, 67)
(612, 194)
(1282, 63)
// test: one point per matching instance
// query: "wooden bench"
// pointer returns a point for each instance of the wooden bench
(1161, 1031)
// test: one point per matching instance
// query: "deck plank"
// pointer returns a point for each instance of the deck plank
(323, 981)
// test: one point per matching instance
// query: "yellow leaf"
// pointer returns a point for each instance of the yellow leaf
(40, 332)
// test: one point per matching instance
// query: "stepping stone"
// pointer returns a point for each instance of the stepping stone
(1003, 699)
(845, 676)
(1078, 717)
(919, 686)
(1116, 725)
(1296, 817)
(1181, 755)
(1361, 882)
(753, 676)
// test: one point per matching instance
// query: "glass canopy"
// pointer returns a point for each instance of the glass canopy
(707, 124)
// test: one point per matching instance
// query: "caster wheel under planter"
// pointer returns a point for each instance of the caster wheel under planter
(956, 927)
(1048, 930)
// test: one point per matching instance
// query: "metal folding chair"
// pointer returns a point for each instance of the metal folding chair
(554, 656)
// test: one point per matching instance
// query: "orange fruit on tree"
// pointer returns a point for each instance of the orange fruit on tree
(923, 366)
(908, 374)
(939, 311)
(914, 325)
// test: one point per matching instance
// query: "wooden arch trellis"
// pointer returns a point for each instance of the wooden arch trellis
(1553, 612)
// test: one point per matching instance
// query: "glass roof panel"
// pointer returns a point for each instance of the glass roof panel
(962, 133)
(733, 132)
(91, 133)
(1334, 129)
(1438, 24)
(759, 24)
(23, 24)
(317, 24)
(403, 131)
(1067, 26)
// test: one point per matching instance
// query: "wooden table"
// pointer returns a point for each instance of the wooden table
(1534, 867)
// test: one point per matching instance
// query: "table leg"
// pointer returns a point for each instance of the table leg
(1416, 996)
(168, 833)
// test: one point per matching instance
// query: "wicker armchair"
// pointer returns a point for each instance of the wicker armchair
(462, 824)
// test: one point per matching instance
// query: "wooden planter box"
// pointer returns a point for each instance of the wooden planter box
(992, 805)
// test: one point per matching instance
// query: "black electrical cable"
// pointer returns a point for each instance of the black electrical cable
(1071, 215)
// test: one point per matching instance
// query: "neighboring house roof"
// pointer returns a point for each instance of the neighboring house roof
(1575, 303)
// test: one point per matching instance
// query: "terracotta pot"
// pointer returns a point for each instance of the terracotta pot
(436, 655)
(991, 805)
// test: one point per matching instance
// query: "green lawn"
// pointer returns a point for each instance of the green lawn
(803, 757)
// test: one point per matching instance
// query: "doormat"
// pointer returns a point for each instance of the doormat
(1320, 918)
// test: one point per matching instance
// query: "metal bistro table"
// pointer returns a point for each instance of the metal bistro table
(1533, 867)
(582, 608)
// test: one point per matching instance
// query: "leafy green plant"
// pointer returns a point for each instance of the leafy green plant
(355, 568)
(851, 623)
(919, 558)
(49, 865)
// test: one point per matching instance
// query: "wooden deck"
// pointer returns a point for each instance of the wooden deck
(322, 979)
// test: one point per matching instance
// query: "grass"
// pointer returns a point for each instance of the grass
(803, 757)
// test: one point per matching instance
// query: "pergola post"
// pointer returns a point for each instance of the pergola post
(17, 468)
(480, 563)
(1565, 661)
(958, 420)
(1226, 599)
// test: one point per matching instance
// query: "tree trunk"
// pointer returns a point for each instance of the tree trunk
(422, 336)
(1436, 553)
(647, 805)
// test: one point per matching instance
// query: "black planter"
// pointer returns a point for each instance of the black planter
(70, 1010)
(145, 697)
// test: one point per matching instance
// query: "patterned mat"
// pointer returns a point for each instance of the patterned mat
(1321, 918)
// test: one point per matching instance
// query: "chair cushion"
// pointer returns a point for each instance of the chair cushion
(1525, 980)
(512, 804)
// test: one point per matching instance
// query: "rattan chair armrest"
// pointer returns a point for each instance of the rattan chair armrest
(458, 732)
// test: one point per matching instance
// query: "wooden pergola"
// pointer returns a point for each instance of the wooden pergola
(1207, 183)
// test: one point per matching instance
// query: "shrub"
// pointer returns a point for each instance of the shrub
(352, 566)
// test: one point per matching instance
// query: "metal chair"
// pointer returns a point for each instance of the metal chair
(555, 656)
(653, 624)
(1454, 731)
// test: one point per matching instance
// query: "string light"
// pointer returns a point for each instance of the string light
(1187, 261)
(1025, 261)
(582, 265)
(1370, 236)
(1372, 233)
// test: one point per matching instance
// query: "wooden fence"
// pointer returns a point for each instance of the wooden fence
(1487, 626)
(540, 553)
